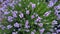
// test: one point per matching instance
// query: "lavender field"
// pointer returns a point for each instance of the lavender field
(29, 16)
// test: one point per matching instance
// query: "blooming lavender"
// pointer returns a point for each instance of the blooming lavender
(42, 30)
(9, 26)
(26, 24)
(47, 13)
(10, 18)
(40, 24)
(14, 32)
(29, 17)
(33, 5)
(27, 12)
(52, 2)
(32, 33)
(54, 22)
(32, 16)
(16, 25)
(21, 15)
(14, 14)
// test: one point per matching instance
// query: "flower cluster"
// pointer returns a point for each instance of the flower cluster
(29, 17)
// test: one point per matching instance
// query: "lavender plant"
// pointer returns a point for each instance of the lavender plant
(30, 17)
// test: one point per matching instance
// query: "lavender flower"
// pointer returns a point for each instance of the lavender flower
(47, 13)
(57, 7)
(32, 16)
(16, 25)
(14, 32)
(57, 14)
(38, 19)
(33, 5)
(0, 19)
(21, 15)
(9, 26)
(5, 13)
(52, 2)
(42, 30)
(14, 14)
(26, 24)
(58, 30)
(27, 12)
(54, 22)
(40, 24)
(2, 27)
(10, 18)
(32, 33)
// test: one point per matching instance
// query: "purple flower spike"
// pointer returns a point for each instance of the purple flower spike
(21, 15)
(14, 32)
(10, 18)
(16, 24)
(54, 22)
(40, 24)
(2, 27)
(38, 19)
(32, 32)
(5, 13)
(27, 26)
(33, 5)
(27, 22)
(57, 7)
(27, 12)
(32, 16)
(9, 26)
(47, 13)
(58, 30)
(42, 30)
(50, 4)
(14, 14)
